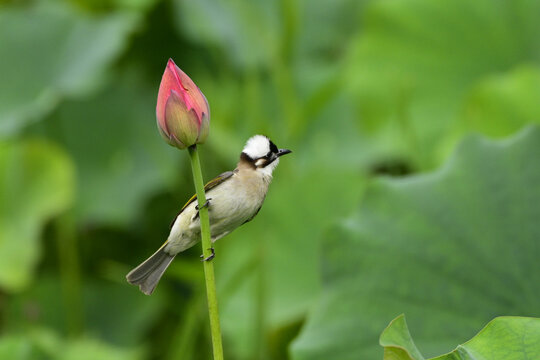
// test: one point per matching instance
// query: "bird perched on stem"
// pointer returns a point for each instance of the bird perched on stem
(234, 198)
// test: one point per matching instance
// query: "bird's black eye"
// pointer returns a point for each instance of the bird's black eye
(273, 148)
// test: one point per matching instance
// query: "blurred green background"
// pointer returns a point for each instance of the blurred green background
(370, 217)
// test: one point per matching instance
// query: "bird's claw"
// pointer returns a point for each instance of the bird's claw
(207, 202)
(209, 257)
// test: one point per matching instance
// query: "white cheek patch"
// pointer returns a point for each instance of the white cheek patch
(267, 170)
(259, 162)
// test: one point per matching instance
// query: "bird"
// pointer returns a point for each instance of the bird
(234, 198)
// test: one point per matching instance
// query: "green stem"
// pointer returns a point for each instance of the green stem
(185, 336)
(206, 246)
(70, 277)
(260, 306)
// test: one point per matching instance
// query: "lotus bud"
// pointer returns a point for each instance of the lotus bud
(182, 112)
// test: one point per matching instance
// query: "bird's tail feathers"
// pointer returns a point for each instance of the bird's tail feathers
(147, 274)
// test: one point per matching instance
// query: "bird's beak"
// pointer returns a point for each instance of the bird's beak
(282, 152)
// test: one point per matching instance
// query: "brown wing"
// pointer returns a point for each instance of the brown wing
(210, 185)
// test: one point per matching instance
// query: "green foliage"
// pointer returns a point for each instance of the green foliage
(397, 341)
(509, 101)
(36, 183)
(57, 52)
(452, 249)
(504, 338)
(108, 310)
(46, 345)
(413, 66)
(356, 88)
(231, 24)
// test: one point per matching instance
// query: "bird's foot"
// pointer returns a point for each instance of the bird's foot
(205, 205)
(209, 257)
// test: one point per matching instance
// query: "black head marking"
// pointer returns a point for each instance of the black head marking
(245, 158)
(273, 147)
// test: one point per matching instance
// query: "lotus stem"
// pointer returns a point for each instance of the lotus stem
(215, 330)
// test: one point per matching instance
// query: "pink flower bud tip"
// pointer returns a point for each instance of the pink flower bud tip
(182, 112)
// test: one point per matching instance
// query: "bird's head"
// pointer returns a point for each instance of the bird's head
(261, 154)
